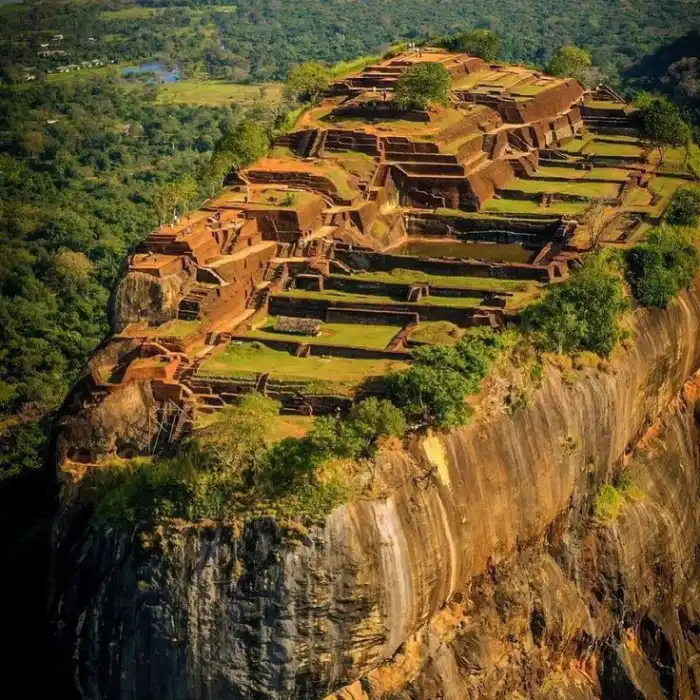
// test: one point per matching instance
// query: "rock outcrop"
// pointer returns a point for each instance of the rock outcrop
(478, 574)
(141, 297)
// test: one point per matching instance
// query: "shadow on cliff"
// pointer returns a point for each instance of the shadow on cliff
(28, 506)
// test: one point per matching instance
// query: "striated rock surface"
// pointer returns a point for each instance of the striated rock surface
(479, 575)
(142, 297)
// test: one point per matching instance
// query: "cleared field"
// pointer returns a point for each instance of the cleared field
(218, 93)
(611, 174)
(523, 206)
(128, 14)
(289, 426)
(235, 360)
(487, 284)
(85, 73)
(359, 335)
(590, 190)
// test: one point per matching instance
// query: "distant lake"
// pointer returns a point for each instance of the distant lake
(163, 74)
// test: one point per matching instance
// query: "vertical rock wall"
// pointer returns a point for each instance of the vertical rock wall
(212, 613)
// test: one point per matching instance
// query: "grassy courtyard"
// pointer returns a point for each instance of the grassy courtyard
(252, 358)
(616, 150)
(373, 336)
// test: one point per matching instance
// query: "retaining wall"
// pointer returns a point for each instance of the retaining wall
(370, 260)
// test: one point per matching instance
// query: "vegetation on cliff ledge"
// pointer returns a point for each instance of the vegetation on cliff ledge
(662, 266)
(435, 388)
(232, 469)
(581, 313)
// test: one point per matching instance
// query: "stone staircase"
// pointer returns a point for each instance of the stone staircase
(260, 295)
(193, 303)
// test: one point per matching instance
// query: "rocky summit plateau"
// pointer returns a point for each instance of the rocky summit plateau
(547, 548)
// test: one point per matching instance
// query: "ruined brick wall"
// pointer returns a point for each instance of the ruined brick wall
(378, 318)
(400, 144)
(297, 179)
(370, 260)
(488, 179)
(551, 102)
(380, 110)
(345, 140)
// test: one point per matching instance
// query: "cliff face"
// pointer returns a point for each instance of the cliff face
(479, 575)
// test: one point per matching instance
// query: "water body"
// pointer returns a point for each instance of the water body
(163, 74)
(493, 252)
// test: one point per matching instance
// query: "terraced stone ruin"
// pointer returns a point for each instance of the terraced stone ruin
(369, 216)
(367, 231)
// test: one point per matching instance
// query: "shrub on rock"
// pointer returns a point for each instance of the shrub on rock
(662, 266)
(581, 313)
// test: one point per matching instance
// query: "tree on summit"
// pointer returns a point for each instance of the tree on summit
(421, 85)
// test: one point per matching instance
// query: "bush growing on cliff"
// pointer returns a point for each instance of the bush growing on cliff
(293, 462)
(421, 85)
(612, 498)
(434, 390)
(230, 466)
(581, 313)
(685, 207)
(662, 266)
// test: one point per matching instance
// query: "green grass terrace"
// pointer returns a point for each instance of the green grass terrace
(486, 284)
(604, 146)
(566, 173)
(247, 360)
(376, 337)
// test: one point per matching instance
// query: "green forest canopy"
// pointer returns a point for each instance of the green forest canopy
(260, 39)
